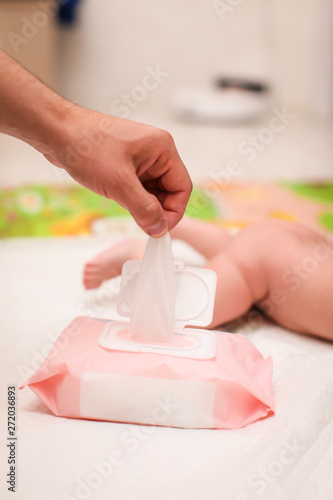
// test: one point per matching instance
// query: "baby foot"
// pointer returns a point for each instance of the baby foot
(108, 264)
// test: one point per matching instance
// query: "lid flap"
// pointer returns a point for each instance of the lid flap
(195, 293)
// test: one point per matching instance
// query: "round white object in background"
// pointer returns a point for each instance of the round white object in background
(219, 105)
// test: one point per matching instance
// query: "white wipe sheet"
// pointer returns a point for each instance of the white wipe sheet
(153, 310)
(288, 456)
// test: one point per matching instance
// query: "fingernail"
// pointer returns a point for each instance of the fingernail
(158, 229)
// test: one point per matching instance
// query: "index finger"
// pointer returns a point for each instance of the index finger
(174, 187)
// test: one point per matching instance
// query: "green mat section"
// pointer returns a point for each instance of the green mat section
(55, 210)
(321, 192)
(67, 210)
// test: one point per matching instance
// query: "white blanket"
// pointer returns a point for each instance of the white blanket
(288, 456)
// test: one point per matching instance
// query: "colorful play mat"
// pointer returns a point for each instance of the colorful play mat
(55, 210)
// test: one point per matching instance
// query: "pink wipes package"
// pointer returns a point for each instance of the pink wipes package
(104, 370)
(81, 379)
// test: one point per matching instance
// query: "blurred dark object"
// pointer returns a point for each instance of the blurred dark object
(67, 13)
(238, 83)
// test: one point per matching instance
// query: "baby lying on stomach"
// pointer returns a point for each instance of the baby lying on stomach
(283, 267)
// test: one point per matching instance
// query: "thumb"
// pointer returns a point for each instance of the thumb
(145, 209)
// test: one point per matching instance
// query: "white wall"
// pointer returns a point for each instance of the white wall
(106, 54)
(274, 40)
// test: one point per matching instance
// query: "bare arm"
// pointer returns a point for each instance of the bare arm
(136, 165)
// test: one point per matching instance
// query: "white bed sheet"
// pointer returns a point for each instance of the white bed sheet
(288, 456)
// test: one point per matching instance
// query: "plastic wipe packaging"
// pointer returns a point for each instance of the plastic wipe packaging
(136, 371)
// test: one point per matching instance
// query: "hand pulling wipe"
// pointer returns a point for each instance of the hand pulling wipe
(152, 367)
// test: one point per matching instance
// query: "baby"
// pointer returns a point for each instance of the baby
(282, 267)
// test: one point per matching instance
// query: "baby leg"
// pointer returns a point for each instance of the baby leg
(108, 264)
(240, 279)
(207, 238)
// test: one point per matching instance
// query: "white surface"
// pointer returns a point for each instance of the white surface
(286, 456)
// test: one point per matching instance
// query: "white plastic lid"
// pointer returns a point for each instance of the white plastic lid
(195, 294)
(193, 344)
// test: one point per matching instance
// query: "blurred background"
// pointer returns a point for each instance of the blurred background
(245, 81)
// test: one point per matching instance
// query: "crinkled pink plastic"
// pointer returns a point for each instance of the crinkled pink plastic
(80, 379)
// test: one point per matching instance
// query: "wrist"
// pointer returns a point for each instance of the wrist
(77, 132)
(50, 133)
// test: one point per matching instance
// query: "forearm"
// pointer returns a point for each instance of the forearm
(29, 110)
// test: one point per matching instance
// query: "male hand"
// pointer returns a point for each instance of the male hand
(134, 164)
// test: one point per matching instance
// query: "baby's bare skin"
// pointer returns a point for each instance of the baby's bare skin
(283, 267)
